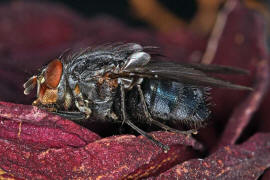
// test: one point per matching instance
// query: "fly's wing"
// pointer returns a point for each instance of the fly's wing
(187, 74)
(210, 68)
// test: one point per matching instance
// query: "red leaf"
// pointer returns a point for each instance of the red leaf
(36, 128)
(34, 143)
(246, 161)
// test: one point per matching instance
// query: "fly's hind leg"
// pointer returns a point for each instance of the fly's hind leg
(133, 126)
(157, 123)
(151, 138)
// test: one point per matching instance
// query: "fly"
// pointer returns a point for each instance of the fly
(122, 82)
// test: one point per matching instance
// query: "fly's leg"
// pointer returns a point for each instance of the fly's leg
(151, 138)
(83, 107)
(123, 108)
(76, 116)
(133, 126)
(157, 123)
(80, 103)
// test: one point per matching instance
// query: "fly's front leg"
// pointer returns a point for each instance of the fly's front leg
(75, 116)
(123, 108)
(133, 126)
(80, 103)
(157, 123)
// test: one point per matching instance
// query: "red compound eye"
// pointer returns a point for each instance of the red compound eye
(53, 73)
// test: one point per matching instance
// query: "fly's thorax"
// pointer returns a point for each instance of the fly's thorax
(99, 89)
(100, 95)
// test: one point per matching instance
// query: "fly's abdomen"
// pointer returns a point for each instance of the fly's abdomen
(176, 102)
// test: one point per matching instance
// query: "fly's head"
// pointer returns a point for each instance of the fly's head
(49, 84)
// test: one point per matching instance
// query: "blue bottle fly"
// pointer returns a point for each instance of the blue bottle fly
(122, 82)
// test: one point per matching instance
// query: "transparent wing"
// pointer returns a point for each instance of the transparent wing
(193, 74)
(210, 68)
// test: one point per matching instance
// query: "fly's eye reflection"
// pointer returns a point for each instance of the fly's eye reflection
(121, 82)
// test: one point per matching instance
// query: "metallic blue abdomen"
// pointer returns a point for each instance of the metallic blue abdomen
(176, 102)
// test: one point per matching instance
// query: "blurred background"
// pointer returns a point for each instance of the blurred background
(159, 14)
(129, 12)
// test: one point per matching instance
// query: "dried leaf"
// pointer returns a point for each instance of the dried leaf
(246, 161)
(34, 143)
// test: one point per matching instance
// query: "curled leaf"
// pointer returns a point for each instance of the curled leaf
(246, 161)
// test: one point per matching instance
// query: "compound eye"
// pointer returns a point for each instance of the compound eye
(53, 73)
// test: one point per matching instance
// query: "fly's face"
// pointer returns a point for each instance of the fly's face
(47, 82)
